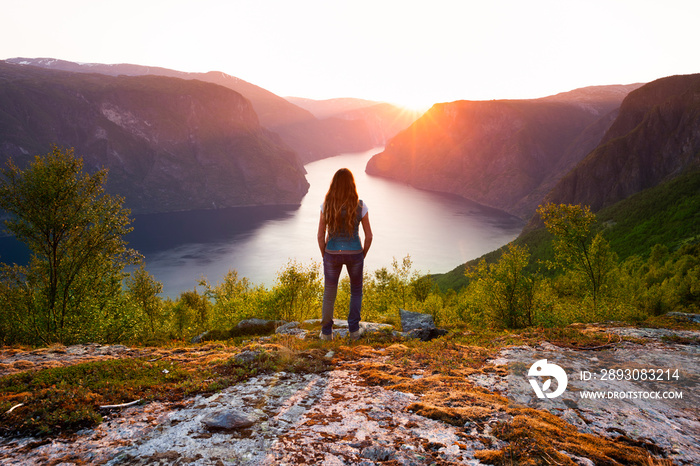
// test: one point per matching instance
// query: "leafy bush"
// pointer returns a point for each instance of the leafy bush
(503, 290)
(297, 293)
(234, 299)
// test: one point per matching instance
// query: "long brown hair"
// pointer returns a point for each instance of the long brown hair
(341, 196)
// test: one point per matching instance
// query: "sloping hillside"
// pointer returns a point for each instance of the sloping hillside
(169, 144)
(311, 137)
(642, 179)
(505, 154)
(656, 137)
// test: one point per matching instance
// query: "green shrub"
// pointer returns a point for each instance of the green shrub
(503, 290)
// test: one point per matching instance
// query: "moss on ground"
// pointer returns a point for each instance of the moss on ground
(62, 400)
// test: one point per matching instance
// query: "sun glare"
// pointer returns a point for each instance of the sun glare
(414, 106)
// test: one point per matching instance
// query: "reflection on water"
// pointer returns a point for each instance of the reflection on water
(156, 233)
(438, 231)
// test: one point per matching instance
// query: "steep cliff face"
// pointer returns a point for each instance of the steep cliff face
(655, 137)
(169, 144)
(311, 137)
(504, 154)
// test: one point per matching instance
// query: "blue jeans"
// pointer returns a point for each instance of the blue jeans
(332, 266)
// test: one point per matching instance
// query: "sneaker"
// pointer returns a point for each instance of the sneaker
(358, 334)
(323, 336)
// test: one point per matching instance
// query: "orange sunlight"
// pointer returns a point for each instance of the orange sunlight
(415, 106)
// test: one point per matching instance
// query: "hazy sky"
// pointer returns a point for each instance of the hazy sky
(411, 52)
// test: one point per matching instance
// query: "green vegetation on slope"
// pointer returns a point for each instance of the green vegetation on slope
(668, 214)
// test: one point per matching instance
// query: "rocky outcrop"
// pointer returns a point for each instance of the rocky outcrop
(658, 410)
(340, 328)
(340, 417)
(419, 325)
(505, 154)
(169, 144)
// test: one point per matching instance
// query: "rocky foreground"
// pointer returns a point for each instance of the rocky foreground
(387, 405)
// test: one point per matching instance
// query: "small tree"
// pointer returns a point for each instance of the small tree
(379, 293)
(234, 299)
(504, 290)
(403, 278)
(577, 246)
(143, 289)
(75, 232)
(422, 287)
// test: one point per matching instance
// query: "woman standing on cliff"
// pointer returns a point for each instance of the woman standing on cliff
(339, 240)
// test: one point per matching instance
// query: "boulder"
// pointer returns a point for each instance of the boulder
(415, 320)
(292, 328)
(201, 337)
(227, 421)
(419, 325)
(258, 326)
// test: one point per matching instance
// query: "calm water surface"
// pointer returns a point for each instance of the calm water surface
(439, 232)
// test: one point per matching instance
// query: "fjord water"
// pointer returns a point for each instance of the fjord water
(438, 231)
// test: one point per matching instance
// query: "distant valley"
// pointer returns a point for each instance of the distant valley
(382, 120)
(312, 136)
(176, 141)
(180, 141)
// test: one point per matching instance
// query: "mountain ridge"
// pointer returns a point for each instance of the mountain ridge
(505, 154)
(169, 144)
(326, 108)
(641, 179)
(383, 120)
(655, 137)
(312, 138)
